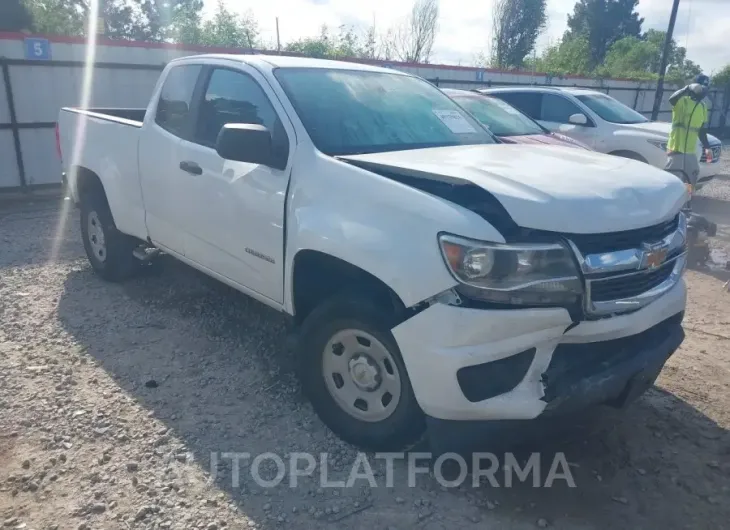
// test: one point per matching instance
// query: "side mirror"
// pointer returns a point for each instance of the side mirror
(245, 142)
(578, 119)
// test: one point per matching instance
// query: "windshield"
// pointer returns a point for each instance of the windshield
(611, 110)
(350, 112)
(499, 117)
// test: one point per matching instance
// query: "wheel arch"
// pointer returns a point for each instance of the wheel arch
(85, 180)
(316, 276)
(627, 153)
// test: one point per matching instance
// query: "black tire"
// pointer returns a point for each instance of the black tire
(406, 423)
(117, 262)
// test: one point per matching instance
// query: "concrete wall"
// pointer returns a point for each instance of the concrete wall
(125, 74)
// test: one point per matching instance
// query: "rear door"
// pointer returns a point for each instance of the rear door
(238, 207)
(169, 120)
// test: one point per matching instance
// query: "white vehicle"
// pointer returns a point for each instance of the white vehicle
(437, 275)
(603, 123)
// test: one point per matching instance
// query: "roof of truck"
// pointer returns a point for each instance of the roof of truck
(284, 61)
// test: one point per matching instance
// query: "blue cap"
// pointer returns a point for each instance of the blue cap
(703, 80)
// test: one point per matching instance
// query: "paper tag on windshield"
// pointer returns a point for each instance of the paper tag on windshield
(455, 121)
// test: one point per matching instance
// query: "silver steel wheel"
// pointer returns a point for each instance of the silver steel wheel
(96, 236)
(361, 375)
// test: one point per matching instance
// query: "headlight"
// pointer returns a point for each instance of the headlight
(516, 274)
(661, 144)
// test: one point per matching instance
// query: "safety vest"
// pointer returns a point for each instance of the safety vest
(688, 117)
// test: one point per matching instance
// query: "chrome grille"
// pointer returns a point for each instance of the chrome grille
(628, 285)
(625, 271)
(599, 243)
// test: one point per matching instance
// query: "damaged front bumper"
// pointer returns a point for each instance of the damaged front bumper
(475, 365)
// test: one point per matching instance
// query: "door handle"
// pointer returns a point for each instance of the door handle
(191, 167)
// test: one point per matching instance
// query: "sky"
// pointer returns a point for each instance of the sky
(465, 26)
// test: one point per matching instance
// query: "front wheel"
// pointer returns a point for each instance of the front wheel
(352, 371)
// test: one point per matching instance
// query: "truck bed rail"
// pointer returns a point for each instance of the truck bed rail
(131, 117)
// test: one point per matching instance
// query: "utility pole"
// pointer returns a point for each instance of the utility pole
(663, 64)
(278, 42)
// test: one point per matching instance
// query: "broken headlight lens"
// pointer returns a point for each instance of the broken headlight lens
(514, 274)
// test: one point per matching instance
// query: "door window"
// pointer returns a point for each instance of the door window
(527, 102)
(173, 108)
(235, 97)
(557, 109)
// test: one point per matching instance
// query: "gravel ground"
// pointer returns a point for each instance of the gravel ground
(114, 397)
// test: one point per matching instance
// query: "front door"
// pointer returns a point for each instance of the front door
(237, 216)
(555, 113)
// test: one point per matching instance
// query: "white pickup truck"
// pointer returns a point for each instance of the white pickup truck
(438, 276)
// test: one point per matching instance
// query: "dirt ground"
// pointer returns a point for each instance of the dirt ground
(114, 397)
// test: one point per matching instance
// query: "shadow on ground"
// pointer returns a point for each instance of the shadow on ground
(223, 382)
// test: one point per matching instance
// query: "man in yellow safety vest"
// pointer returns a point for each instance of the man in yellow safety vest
(689, 122)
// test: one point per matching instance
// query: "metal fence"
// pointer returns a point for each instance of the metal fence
(32, 108)
(124, 75)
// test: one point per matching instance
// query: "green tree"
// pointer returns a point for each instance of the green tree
(370, 46)
(639, 58)
(346, 43)
(148, 20)
(57, 17)
(159, 19)
(230, 29)
(722, 78)
(516, 26)
(320, 46)
(186, 24)
(630, 57)
(15, 16)
(604, 22)
(683, 72)
(570, 56)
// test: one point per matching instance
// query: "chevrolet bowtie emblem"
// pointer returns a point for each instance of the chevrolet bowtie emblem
(654, 256)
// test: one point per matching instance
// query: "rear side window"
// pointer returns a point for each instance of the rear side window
(527, 102)
(173, 109)
(557, 109)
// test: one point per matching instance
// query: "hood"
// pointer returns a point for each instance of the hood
(544, 139)
(552, 188)
(659, 128)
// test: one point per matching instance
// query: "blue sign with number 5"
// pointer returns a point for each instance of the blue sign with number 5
(37, 49)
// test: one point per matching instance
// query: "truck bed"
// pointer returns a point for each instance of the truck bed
(104, 141)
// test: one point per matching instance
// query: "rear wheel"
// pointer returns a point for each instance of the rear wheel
(109, 251)
(352, 371)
